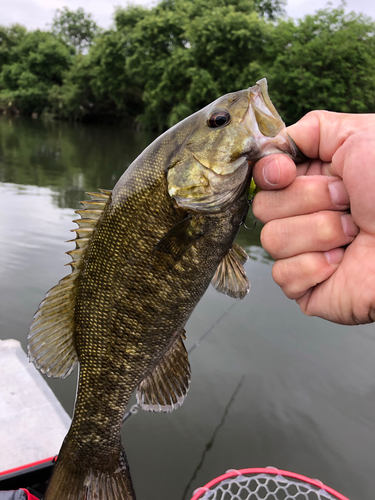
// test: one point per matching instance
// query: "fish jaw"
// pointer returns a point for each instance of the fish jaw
(267, 128)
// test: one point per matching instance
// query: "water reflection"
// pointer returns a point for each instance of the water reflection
(70, 158)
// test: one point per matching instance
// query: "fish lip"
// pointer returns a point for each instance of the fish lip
(266, 127)
(260, 89)
(264, 124)
(262, 118)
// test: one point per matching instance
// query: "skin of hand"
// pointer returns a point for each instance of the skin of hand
(320, 216)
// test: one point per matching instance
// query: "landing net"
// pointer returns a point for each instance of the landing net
(265, 484)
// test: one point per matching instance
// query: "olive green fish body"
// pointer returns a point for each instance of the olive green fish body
(145, 254)
(126, 322)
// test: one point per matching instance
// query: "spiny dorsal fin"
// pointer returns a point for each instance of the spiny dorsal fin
(230, 276)
(166, 386)
(51, 345)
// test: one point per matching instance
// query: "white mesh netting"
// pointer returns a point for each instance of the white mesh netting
(264, 487)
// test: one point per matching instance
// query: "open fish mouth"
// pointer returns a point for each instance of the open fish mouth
(266, 127)
(268, 119)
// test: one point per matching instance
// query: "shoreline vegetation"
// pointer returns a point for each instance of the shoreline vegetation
(157, 65)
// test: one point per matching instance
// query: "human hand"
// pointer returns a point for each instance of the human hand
(320, 216)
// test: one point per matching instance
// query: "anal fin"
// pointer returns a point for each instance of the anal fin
(166, 386)
(230, 276)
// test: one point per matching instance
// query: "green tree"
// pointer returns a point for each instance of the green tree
(36, 63)
(9, 38)
(76, 28)
(325, 61)
(184, 54)
(271, 9)
(98, 85)
(158, 65)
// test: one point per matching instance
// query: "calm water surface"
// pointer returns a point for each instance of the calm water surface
(269, 387)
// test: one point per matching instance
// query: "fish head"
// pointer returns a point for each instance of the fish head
(213, 167)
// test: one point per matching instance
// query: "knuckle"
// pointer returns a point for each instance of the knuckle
(280, 273)
(269, 240)
(259, 206)
(311, 190)
(327, 227)
(308, 265)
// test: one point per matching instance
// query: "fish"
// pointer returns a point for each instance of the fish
(145, 253)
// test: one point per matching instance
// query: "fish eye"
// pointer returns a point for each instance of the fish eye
(218, 118)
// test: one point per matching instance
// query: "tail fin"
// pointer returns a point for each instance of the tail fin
(76, 483)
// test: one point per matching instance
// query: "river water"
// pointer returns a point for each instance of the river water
(269, 386)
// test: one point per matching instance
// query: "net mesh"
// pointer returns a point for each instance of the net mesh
(265, 487)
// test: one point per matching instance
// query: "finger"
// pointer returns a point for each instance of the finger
(274, 172)
(298, 274)
(314, 167)
(348, 296)
(319, 134)
(354, 162)
(317, 232)
(307, 194)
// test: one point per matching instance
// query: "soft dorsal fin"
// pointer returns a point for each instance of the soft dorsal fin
(51, 344)
(230, 276)
(166, 386)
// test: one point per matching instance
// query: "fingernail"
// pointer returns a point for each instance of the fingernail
(349, 226)
(272, 172)
(334, 256)
(338, 192)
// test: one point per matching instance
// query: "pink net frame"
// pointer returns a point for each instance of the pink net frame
(265, 484)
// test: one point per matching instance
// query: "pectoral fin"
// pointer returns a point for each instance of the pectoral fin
(171, 248)
(166, 386)
(230, 277)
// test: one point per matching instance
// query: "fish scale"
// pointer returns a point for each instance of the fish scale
(145, 254)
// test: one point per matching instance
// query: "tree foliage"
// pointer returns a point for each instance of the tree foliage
(35, 62)
(76, 28)
(270, 9)
(9, 38)
(159, 64)
(328, 62)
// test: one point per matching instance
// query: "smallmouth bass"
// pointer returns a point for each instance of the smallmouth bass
(145, 254)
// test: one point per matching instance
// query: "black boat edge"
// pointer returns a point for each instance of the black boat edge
(34, 475)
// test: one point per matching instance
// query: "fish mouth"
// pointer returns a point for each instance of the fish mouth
(268, 119)
(266, 127)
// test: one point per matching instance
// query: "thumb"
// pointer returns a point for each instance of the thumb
(274, 172)
(319, 134)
